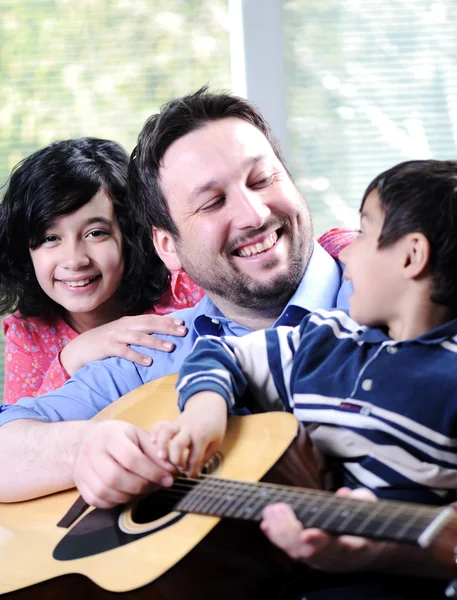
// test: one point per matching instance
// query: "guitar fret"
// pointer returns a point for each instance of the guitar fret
(248, 508)
(388, 521)
(229, 495)
(408, 531)
(238, 499)
(364, 526)
(337, 512)
(353, 513)
(318, 510)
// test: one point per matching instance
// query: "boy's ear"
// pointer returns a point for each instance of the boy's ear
(166, 248)
(417, 255)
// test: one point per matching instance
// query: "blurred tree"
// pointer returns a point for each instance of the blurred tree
(101, 67)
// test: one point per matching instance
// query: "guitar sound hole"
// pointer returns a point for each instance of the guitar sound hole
(153, 507)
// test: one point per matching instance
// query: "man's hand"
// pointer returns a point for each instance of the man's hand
(189, 441)
(315, 547)
(115, 462)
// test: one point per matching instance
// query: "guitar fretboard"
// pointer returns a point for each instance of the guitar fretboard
(387, 520)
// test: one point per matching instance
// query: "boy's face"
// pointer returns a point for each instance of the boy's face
(375, 273)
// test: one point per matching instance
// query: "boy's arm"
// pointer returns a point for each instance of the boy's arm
(228, 366)
(189, 441)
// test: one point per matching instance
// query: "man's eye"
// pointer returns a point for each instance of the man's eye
(264, 182)
(213, 204)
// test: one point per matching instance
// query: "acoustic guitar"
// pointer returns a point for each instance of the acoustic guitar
(159, 545)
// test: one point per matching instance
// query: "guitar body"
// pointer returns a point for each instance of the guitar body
(161, 555)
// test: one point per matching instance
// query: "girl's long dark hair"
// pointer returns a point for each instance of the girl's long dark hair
(58, 180)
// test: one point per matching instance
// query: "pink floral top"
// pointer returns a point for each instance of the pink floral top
(32, 347)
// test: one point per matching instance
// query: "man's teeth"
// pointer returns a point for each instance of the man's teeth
(79, 283)
(269, 242)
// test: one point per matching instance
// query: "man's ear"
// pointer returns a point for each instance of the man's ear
(417, 255)
(166, 248)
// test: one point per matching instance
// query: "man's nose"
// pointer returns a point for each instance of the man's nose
(249, 210)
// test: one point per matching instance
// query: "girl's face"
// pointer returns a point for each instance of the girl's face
(79, 263)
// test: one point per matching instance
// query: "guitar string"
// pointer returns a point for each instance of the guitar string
(183, 485)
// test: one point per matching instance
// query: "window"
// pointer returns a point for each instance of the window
(368, 84)
(359, 84)
(100, 68)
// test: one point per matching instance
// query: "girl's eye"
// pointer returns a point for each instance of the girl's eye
(49, 238)
(97, 233)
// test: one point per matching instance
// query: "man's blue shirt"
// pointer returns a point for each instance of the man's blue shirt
(100, 383)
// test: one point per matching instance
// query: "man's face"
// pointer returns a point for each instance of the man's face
(245, 233)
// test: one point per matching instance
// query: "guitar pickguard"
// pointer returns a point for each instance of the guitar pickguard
(103, 530)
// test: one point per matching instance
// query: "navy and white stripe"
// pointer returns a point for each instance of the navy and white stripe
(386, 410)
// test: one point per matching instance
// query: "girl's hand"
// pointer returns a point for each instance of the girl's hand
(190, 440)
(114, 339)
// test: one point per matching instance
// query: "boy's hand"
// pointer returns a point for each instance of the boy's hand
(190, 440)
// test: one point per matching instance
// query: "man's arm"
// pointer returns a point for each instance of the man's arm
(38, 458)
(108, 461)
(47, 444)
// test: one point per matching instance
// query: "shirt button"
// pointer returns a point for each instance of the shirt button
(367, 384)
(392, 349)
(215, 321)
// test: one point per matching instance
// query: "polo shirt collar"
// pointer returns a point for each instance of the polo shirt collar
(443, 333)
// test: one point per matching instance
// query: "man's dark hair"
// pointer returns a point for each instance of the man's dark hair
(421, 196)
(58, 180)
(176, 119)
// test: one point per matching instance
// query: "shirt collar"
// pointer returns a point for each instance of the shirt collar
(319, 288)
(443, 333)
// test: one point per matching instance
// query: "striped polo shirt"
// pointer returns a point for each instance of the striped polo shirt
(384, 412)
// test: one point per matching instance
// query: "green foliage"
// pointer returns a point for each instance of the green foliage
(101, 67)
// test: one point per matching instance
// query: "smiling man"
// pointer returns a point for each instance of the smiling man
(245, 233)
(208, 177)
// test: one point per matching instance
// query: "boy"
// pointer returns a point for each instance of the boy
(377, 387)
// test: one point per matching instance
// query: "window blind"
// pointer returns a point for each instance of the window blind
(369, 84)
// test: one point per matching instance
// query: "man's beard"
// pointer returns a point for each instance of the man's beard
(268, 296)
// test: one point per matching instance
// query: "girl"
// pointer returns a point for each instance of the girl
(77, 270)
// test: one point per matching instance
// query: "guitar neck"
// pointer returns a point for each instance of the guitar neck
(382, 520)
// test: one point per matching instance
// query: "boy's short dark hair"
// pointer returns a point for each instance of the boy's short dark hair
(176, 119)
(421, 196)
(58, 180)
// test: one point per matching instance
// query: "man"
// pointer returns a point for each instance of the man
(209, 178)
